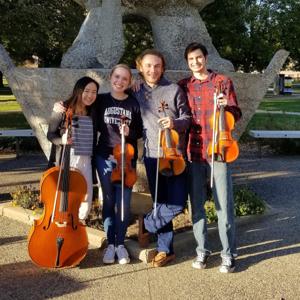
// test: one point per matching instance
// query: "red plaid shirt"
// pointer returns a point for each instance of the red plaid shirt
(200, 95)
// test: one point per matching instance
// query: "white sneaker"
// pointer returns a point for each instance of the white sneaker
(200, 261)
(122, 254)
(109, 254)
(228, 265)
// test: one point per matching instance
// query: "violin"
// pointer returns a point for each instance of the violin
(226, 149)
(124, 154)
(58, 239)
(123, 172)
(171, 161)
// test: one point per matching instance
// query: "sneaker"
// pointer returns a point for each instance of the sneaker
(228, 265)
(122, 254)
(162, 258)
(200, 261)
(109, 254)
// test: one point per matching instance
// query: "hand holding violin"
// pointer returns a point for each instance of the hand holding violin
(125, 128)
(166, 123)
(221, 100)
(59, 107)
(66, 140)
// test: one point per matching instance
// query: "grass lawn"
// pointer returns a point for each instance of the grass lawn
(9, 106)
(265, 121)
(288, 104)
(8, 102)
(7, 98)
(13, 120)
(296, 90)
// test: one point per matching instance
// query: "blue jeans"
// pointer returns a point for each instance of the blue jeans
(199, 174)
(114, 227)
(171, 199)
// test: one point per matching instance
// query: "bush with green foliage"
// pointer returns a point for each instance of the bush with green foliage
(26, 197)
(246, 202)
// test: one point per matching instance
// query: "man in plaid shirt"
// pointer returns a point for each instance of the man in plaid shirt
(200, 89)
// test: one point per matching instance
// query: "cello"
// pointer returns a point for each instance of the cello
(58, 239)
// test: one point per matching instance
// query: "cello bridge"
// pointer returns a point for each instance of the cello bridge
(61, 224)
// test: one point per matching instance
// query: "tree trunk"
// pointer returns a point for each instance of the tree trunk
(1, 80)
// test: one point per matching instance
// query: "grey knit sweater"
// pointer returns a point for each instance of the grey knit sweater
(150, 100)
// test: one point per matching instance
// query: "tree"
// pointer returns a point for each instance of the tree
(138, 37)
(42, 28)
(249, 32)
(288, 30)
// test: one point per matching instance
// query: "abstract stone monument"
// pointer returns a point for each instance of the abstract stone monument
(175, 23)
(100, 44)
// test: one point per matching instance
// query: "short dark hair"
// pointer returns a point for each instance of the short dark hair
(154, 52)
(194, 46)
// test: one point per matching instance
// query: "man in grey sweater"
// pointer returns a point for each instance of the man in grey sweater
(171, 191)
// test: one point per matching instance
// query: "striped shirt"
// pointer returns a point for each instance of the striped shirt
(200, 95)
(82, 135)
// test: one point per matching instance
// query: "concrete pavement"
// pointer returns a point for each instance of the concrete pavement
(267, 267)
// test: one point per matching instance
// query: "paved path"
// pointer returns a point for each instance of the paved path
(25, 170)
(268, 263)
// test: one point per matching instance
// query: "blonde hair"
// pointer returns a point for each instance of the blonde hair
(121, 66)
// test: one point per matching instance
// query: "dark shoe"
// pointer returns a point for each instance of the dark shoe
(200, 261)
(143, 235)
(228, 265)
(162, 258)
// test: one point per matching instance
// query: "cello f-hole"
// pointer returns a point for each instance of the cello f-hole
(48, 225)
(72, 222)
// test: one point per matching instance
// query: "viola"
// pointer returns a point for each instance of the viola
(58, 239)
(226, 149)
(171, 162)
(124, 154)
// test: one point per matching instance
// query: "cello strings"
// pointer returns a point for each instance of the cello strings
(57, 185)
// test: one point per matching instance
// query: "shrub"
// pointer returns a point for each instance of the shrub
(211, 214)
(26, 197)
(246, 202)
